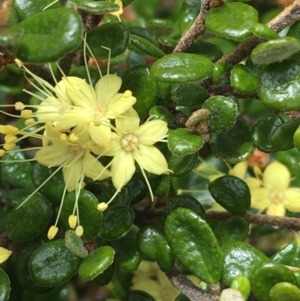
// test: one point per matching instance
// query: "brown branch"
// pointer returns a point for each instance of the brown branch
(194, 293)
(5, 240)
(287, 17)
(290, 223)
(194, 31)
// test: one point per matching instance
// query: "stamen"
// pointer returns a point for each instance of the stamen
(26, 114)
(73, 137)
(72, 221)
(55, 1)
(79, 231)
(109, 57)
(9, 146)
(148, 184)
(19, 106)
(92, 55)
(30, 122)
(63, 137)
(102, 206)
(52, 232)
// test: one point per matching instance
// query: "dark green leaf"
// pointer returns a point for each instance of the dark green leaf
(187, 233)
(75, 244)
(172, 68)
(181, 166)
(232, 193)
(4, 286)
(96, 7)
(26, 221)
(96, 263)
(53, 264)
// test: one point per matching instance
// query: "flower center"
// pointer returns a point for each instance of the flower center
(276, 197)
(98, 113)
(76, 151)
(129, 142)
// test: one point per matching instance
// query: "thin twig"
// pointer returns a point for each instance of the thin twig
(186, 286)
(194, 31)
(287, 17)
(291, 223)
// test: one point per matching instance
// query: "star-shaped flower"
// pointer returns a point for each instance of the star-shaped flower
(275, 196)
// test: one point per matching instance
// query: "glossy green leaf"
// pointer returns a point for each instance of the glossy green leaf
(275, 50)
(153, 244)
(172, 68)
(232, 20)
(182, 142)
(209, 50)
(75, 244)
(61, 28)
(190, 9)
(160, 112)
(232, 193)
(233, 145)
(22, 267)
(4, 286)
(262, 132)
(96, 7)
(139, 190)
(122, 198)
(53, 189)
(17, 174)
(283, 137)
(53, 264)
(58, 293)
(160, 27)
(242, 79)
(190, 94)
(284, 291)
(142, 45)
(26, 221)
(223, 113)
(185, 201)
(138, 296)
(117, 221)
(145, 34)
(240, 258)
(128, 256)
(289, 255)
(181, 166)
(106, 276)
(28, 8)
(90, 216)
(96, 263)
(221, 74)
(235, 228)
(279, 86)
(242, 284)
(266, 276)
(143, 86)
(264, 32)
(112, 35)
(160, 185)
(187, 233)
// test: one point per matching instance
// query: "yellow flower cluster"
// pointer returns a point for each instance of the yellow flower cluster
(75, 118)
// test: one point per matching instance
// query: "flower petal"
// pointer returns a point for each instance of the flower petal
(151, 159)
(128, 122)
(92, 168)
(119, 104)
(253, 183)
(276, 176)
(260, 198)
(80, 92)
(53, 155)
(276, 209)
(107, 87)
(239, 170)
(122, 169)
(152, 131)
(101, 135)
(72, 174)
(4, 254)
(292, 199)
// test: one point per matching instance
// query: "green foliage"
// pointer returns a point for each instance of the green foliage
(193, 101)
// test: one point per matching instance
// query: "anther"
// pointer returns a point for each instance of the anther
(127, 93)
(9, 146)
(102, 206)
(73, 137)
(79, 231)
(29, 121)
(2, 152)
(63, 137)
(52, 232)
(72, 221)
(10, 138)
(26, 114)
(19, 106)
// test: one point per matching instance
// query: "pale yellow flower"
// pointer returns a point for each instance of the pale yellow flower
(72, 153)
(134, 143)
(120, 11)
(275, 196)
(4, 254)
